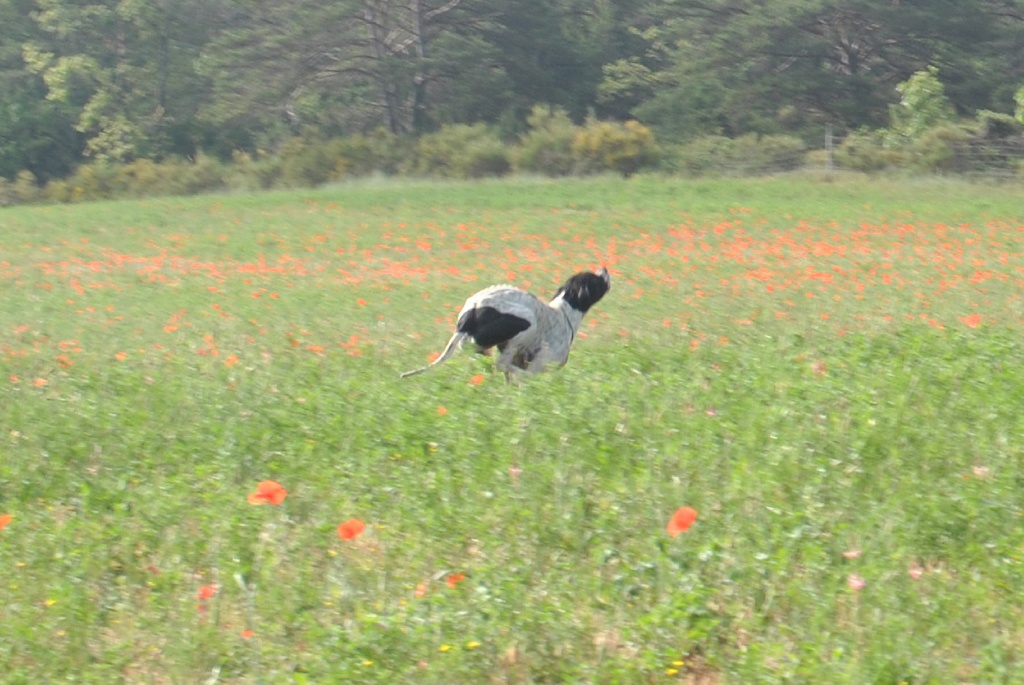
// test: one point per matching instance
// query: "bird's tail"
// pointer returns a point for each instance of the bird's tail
(457, 338)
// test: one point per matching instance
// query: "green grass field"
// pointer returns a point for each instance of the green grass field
(827, 370)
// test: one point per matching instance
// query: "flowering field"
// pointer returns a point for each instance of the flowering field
(786, 447)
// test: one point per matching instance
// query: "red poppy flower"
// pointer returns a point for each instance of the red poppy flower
(246, 634)
(5, 520)
(206, 592)
(454, 579)
(681, 520)
(351, 529)
(268, 491)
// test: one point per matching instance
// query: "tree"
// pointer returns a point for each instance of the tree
(36, 135)
(345, 66)
(553, 52)
(125, 68)
(792, 65)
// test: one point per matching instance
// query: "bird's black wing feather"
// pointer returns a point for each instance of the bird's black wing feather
(488, 326)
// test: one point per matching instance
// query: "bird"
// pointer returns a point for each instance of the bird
(531, 335)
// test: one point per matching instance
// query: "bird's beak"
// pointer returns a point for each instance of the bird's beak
(605, 276)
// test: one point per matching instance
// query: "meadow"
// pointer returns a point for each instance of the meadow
(826, 370)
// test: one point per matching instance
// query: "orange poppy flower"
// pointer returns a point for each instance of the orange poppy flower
(681, 520)
(972, 320)
(5, 520)
(206, 592)
(454, 579)
(246, 634)
(351, 529)
(268, 491)
(477, 379)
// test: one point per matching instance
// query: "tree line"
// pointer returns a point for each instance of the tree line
(127, 80)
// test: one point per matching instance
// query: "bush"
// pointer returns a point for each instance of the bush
(748, 155)
(995, 125)
(935, 150)
(6, 193)
(96, 181)
(144, 177)
(306, 160)
(139, 178)
(461, 151)
(547, 146)
(702, 156)
(866, 151)
(366, 154)
(26, 188)
(260, 173)
(204, 174)
(609, 146)
(57, 191)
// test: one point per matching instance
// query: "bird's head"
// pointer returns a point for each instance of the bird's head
(585, 289)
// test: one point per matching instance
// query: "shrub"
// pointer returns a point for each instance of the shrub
(461, 151)
(745, 156)
(702, 156)
(57, 190)
(547, 146)
(204, 174)
(623, 148)
(364, 154)
(25, 188)
(143, 177)
(935, 150)
(306, 160)
(96, 181)
(487, 158)
(995, 125)
(866, 151)
(247, 173)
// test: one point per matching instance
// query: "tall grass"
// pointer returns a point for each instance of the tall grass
(826, 370)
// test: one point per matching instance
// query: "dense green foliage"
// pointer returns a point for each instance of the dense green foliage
(116, 81)
(828, 372)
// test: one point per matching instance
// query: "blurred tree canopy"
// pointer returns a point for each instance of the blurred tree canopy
(149, 79)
